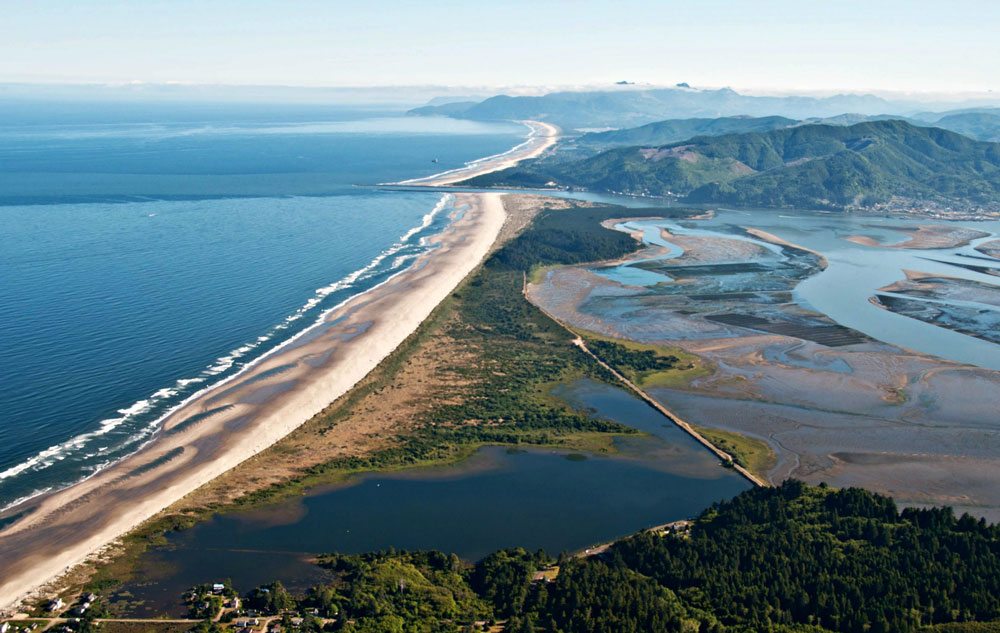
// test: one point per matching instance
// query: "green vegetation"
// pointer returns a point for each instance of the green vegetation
(685, 368)
(843, 560)
(824, 166)
(673, 130)
(964, 627)
(750, 453)
(516, 354)
(424, 591)
(983, 126)
(635, 362)
(792, 558)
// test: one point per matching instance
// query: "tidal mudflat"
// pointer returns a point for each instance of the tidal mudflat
(500, 497)
(781, 307)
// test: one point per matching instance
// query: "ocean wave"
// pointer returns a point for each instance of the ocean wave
(59, 452)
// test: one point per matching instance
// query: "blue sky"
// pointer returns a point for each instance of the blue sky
(765, 44)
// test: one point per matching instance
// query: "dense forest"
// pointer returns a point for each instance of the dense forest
(820, 166)
(791, 558)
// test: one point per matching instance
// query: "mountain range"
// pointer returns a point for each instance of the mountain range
(817, 166)
(624, 108)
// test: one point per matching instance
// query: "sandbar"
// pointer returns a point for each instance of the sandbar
(542, 137)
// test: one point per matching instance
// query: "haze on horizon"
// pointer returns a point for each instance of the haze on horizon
(918, 46)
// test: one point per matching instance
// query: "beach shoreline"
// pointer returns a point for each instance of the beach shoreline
(231, 423)
(542, 137)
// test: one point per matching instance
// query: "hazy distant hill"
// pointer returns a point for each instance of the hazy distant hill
(804, 166)
(672, 130)
(984, 126)
(626, 108)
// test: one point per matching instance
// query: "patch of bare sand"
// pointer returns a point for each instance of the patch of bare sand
(712, 250)
(927, 236)
(991, 248)
(820, 408)
(774, 239)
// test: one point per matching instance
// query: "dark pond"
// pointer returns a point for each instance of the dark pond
(498, 498)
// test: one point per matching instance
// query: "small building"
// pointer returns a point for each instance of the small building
(297, 621)
(218, 588)
(234, 603)
(4, 627)
(56, 604)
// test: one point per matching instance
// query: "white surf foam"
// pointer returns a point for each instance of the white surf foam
(475, 163)
(60, 452)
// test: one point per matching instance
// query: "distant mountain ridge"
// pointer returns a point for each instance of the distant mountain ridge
(818, 166)
(981, 125)
(984, 126)
(672, 130)
(625, 108)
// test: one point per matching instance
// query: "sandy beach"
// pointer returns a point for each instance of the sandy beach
(542, 137)
(228, 424)
(928, 236)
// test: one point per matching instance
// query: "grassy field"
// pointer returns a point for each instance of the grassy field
(753, 454)
(687, 367)
(109, 626)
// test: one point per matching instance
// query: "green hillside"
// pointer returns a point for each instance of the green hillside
(984, 126)
(673, 130)
(792, 558)
(822, 166)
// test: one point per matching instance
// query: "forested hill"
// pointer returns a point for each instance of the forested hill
(792, 558)
(673, 130)
(821, 166)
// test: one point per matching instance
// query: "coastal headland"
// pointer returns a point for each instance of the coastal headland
(232, 422)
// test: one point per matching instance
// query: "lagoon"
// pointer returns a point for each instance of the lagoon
(501, 497)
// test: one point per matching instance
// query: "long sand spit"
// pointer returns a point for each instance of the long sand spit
(542, 137)
(228, 424)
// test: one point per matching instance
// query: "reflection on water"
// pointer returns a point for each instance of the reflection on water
(499, 498)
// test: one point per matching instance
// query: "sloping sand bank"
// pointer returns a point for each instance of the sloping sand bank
(226, 425)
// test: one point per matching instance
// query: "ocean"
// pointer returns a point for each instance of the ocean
(148, 252)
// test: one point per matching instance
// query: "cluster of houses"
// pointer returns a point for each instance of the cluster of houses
(57, 606)
(252, 624)
(15, 627)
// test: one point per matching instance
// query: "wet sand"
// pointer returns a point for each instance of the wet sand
(543, 136)
(869, 414)
(928, 236)
(991, 248)
(225, 426)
